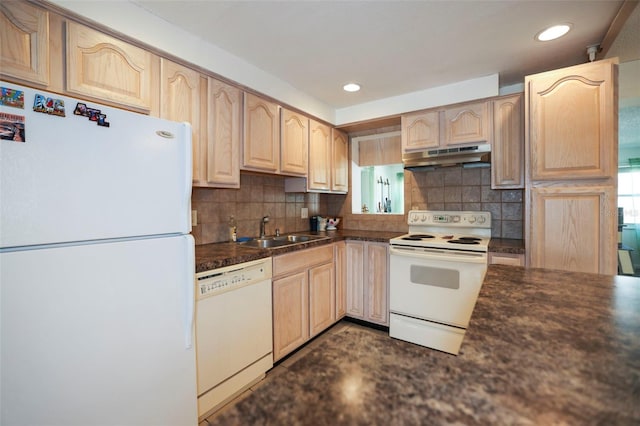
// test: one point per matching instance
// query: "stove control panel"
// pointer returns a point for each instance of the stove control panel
(477, 219)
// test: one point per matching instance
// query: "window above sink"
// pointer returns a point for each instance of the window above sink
(378, 171)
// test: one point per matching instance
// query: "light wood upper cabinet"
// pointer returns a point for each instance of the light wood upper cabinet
(319, 156)
(261, 145)
(294, 144)
(466, 124)
(180, 101)
(507, 149)
(24, 42)
(105, 68)
(574, 228)
(379, 150)
(570, 119)
(340, 161)
(420, 130)
(571, 179)
(224, 127)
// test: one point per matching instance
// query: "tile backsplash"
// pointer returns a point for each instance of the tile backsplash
(451, 188)
(458, 188)
(258, 196)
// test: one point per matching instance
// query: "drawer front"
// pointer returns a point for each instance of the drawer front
(303, 259)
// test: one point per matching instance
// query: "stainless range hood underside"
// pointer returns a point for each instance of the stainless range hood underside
(448, 156)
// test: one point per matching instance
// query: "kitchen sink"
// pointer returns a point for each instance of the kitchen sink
(282, 240)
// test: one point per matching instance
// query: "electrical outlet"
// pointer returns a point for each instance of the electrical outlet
(194, 218)
(304, 213)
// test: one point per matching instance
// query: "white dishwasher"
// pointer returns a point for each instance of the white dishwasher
(234, 345)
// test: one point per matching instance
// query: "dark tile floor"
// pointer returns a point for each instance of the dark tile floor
(297, 390)
(350, 375)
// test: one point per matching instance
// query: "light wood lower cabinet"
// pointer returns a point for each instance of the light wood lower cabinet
(574, 226)
(290, 313)
(304, 297)
(512, 259)
(340, 256)
(368, 281)
(322, 298)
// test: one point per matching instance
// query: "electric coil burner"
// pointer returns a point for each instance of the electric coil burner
(437, 270)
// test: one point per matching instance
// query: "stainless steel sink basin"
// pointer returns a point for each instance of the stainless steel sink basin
(283, 240)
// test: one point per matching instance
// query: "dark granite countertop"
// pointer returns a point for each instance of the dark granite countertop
(543, 347)
(555, 347)
(506, 245)
(218, 255)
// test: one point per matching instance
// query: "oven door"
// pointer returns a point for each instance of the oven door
(435, 285)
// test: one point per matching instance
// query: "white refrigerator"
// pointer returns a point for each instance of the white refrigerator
(96, 265)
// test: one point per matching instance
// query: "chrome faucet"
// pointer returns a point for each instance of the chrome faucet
(264, 220)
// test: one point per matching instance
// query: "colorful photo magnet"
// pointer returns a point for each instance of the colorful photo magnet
(12, 127)
(49, 105)
(92, 114)
(11, 97)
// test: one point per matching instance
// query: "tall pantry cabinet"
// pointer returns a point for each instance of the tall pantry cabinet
(571, 157)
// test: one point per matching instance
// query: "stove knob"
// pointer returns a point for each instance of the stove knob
(472, 219)
(481, 219)
(424, 218)
(455, 219)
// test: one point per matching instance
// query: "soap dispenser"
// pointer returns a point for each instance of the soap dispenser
(233, 228)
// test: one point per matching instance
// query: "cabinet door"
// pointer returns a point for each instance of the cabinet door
(340, 257)
(180, 101)
(571, 128)
(467, 124)
(294, 143)
(376, 283)
(322, 298)
(24, 42)
(574, 229)
(319, 156)
(507, 150)
(261, 146)
(355, 279)
(224, 120)
(420, 130)
(340, 163)
(108, 69)
(290, 313)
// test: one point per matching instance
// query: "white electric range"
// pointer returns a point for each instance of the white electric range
(436, 273)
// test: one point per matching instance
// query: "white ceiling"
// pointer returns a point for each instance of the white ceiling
(391, 47)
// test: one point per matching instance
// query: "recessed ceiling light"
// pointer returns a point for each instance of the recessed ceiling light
(553, 32)
(351, 87)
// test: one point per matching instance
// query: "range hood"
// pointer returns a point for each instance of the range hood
(447, 156)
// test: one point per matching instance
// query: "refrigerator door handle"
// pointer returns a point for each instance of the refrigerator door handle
(190, 292)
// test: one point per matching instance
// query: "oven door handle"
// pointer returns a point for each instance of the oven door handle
(436, 254)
